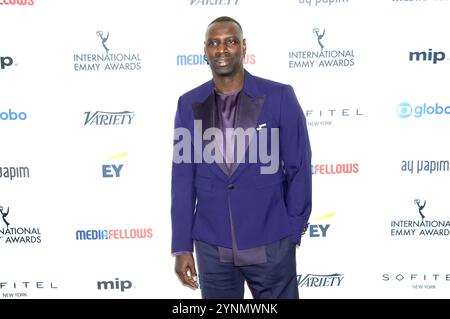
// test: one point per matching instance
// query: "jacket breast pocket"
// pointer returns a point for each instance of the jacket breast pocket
(203, 183)
(268, 180)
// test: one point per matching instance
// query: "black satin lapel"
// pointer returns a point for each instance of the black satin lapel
(207, 113)
(248, 115)
(204, 112)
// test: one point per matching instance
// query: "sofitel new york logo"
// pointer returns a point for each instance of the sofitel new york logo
(17, 235)
(420, 226)
(129, 61)
(323, 58)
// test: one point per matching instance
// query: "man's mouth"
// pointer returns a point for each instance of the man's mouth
(223, 61)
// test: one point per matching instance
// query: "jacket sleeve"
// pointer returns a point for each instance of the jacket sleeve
(183, 195)
(295, 152)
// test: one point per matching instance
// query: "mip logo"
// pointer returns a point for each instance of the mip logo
(435, 57)
(117, 284)
(4, 214)
(404, 110)
(5, 61)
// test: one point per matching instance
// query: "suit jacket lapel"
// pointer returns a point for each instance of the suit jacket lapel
(248, 114)
(206, 112)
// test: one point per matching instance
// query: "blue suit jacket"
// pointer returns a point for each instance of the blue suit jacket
(264, 207)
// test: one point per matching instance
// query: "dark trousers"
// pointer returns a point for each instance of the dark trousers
(275, 279)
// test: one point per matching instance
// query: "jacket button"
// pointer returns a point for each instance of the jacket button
(230, 186)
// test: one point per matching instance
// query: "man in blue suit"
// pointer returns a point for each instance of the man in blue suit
(241, 177)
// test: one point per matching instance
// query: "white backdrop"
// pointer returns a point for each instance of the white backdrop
(58, 158)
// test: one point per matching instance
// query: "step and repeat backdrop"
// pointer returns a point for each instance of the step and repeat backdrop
(88, 93)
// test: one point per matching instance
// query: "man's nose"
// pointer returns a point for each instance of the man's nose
(222, 47)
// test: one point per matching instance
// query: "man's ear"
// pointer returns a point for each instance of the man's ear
(244, 47)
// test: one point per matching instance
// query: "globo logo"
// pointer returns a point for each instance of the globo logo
(12, 116)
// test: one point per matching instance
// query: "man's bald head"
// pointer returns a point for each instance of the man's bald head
(226, 19)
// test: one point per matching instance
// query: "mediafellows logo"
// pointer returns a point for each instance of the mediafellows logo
(115, 61)
(100, 118)
(14, 172)
(319, 281)
(202, 59)
(329, 116)
(322, 3)
(406, 110)
(421, 225)
(114, 234)
(16, 2)
(335, 169)
(213, 2)
(425, 166)
(11, 234)
(323, 56)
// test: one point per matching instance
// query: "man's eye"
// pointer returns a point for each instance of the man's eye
(232, 42)
(212, 43)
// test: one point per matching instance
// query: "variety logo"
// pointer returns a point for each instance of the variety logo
(129, 61)
(334, 169)
(14, 172)
(22, 289)
(117, 284)
(327, 117)
(114, 234)
(108, 118)
(319, 229)
(405, 110)
(420, 226)
(17, 2)
(10, 115)
(113, 170)
(5, 62)
(420, 166)
(17, 235)
(417, 280)
(323, 57)
(316, 281)
(202, 59)
(429, 56)
(321, 3)
(214, 2)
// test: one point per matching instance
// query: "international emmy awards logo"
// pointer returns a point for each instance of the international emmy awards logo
(4, 215)
(319, 37)
(104, 39)
(420, 207)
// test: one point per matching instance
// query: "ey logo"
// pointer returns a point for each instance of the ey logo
(320, 230)
(113, 170)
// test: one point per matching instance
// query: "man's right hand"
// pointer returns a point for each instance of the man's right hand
(185, 269)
